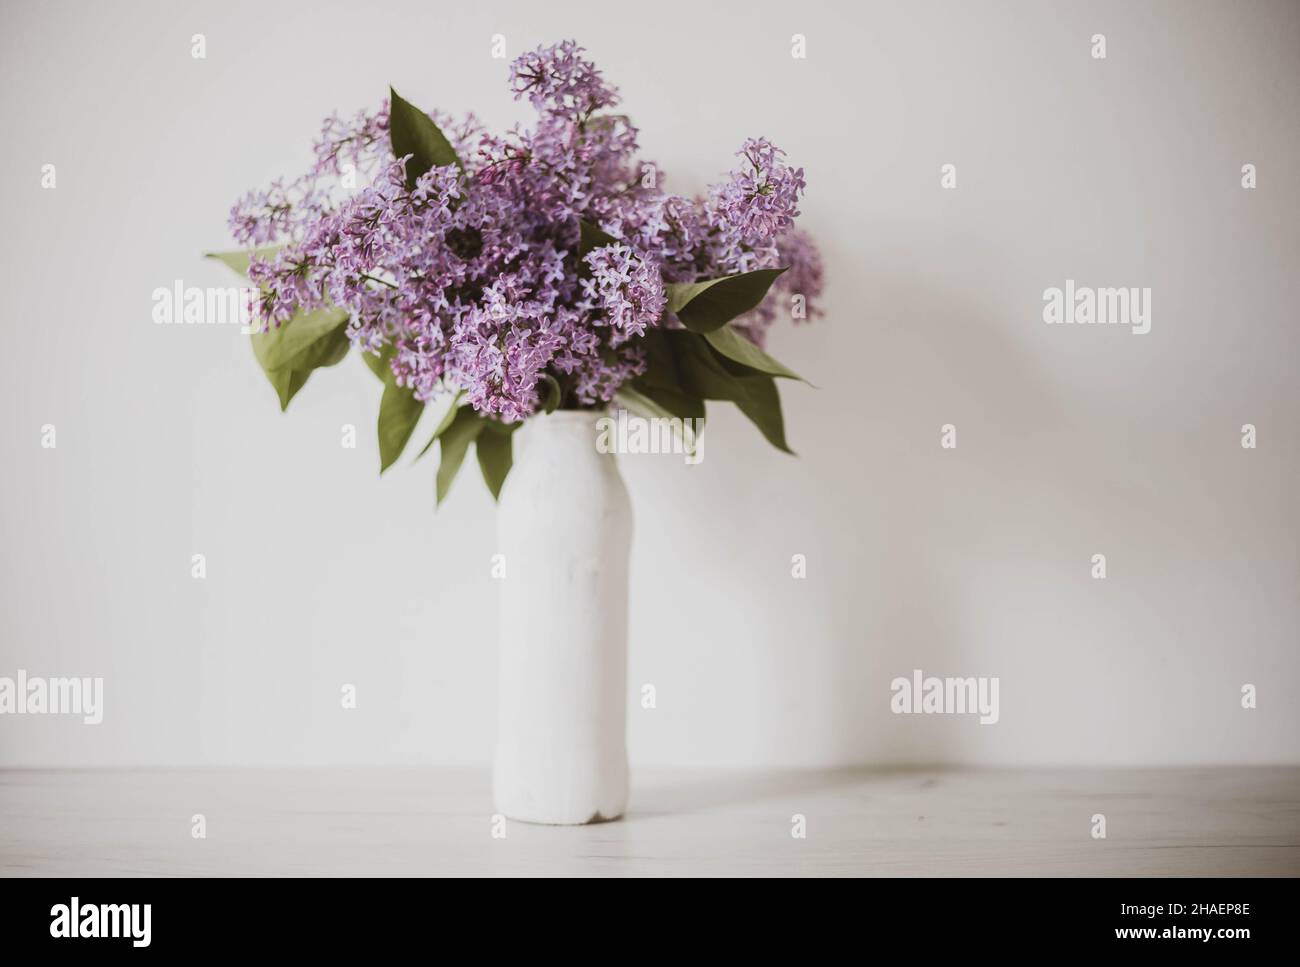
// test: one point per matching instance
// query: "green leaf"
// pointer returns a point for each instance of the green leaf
(328, 351)
(238, 261)
(309, 340)
(550, 393)
(304, 342)
(705, 306)
(454, 444)
(413, 132)
(706, 375)
(380, 363)
(761, 402)
(646, 401)
(664, 402)
(441, 428)
(495, 455)
(732, 344)
(286, 383)
(592, 236)
(399, 411)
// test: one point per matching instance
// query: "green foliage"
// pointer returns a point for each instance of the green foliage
(290, 352)
(495, 453)
(711, 304)
(732, 344)
(454, 444)
(708, 360)
(412, 132)
(684, 370)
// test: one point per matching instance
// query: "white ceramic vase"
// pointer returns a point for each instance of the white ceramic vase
(564, 525)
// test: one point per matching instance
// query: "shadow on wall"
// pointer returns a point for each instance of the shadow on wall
(927, 354)
(976, 561)
(927, 527)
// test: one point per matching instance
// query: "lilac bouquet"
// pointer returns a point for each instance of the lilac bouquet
(540, 269)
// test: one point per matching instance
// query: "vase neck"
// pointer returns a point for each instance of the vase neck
(572, 431)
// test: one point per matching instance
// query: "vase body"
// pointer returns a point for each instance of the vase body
(564, 526)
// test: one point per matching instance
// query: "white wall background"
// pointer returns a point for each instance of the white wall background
(1072, 441)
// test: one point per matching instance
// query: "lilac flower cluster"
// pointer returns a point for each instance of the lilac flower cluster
(629, 289)
(762, 199)
(471, 279)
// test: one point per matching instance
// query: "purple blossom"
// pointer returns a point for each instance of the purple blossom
(559, 81)
(762, 198)
(802, 278)
(473, 278)
(625, 289)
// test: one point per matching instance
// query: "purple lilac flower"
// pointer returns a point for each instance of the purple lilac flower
(803, 277)
(559, 81)
(626, 289)
(762, 198)
(473, 278)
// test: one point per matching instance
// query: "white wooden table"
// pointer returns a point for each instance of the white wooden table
(1183, 822)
